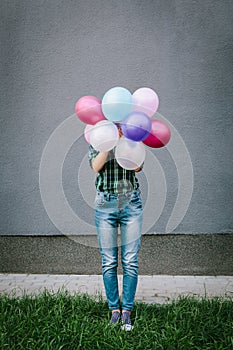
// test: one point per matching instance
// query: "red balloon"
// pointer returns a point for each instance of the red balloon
(159, 136)
(88, 110)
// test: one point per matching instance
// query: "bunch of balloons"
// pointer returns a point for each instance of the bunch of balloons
(133, 113)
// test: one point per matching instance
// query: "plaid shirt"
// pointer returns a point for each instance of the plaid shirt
(112, 178)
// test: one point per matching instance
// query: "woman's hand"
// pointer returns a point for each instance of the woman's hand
(119, 131)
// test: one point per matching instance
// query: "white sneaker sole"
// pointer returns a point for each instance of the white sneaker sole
(127, 327)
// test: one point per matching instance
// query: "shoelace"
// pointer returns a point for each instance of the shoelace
(126, 318)
(115, 316)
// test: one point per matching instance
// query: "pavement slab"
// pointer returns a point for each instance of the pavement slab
(151, 288)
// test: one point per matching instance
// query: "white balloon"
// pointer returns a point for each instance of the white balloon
(87, 132)
(104, 136)
(130, 154)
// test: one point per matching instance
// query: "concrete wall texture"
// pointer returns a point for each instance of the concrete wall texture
(54, 52)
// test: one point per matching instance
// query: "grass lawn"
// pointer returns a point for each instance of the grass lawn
(63, 321)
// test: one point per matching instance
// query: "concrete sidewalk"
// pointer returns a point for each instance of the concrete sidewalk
(151, 289)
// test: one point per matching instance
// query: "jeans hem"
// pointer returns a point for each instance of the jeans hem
(114, 308)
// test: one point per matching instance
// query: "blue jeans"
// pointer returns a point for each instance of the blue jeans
(124, 211)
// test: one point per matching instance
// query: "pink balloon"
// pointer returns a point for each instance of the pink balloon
(145, 100)
(159, 136)
(87, 132)
(88, 110)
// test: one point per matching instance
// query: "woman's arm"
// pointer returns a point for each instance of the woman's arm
(99, 161)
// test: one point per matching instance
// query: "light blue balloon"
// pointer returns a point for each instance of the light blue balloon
(117, 103)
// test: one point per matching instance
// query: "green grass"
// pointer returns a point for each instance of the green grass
(62, 321)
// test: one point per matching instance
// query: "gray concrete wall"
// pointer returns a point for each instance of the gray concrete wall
(54, 52)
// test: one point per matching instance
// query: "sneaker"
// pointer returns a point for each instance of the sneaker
(126, 322)
(115, 318)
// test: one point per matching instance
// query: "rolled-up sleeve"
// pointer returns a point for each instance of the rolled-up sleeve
(92, 153)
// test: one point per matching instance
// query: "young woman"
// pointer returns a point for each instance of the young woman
(117, 204)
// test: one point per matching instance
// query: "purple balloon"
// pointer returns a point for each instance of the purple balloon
(136, 126)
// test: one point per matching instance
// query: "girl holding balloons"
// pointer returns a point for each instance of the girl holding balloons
(117, 204)
(115, 131)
